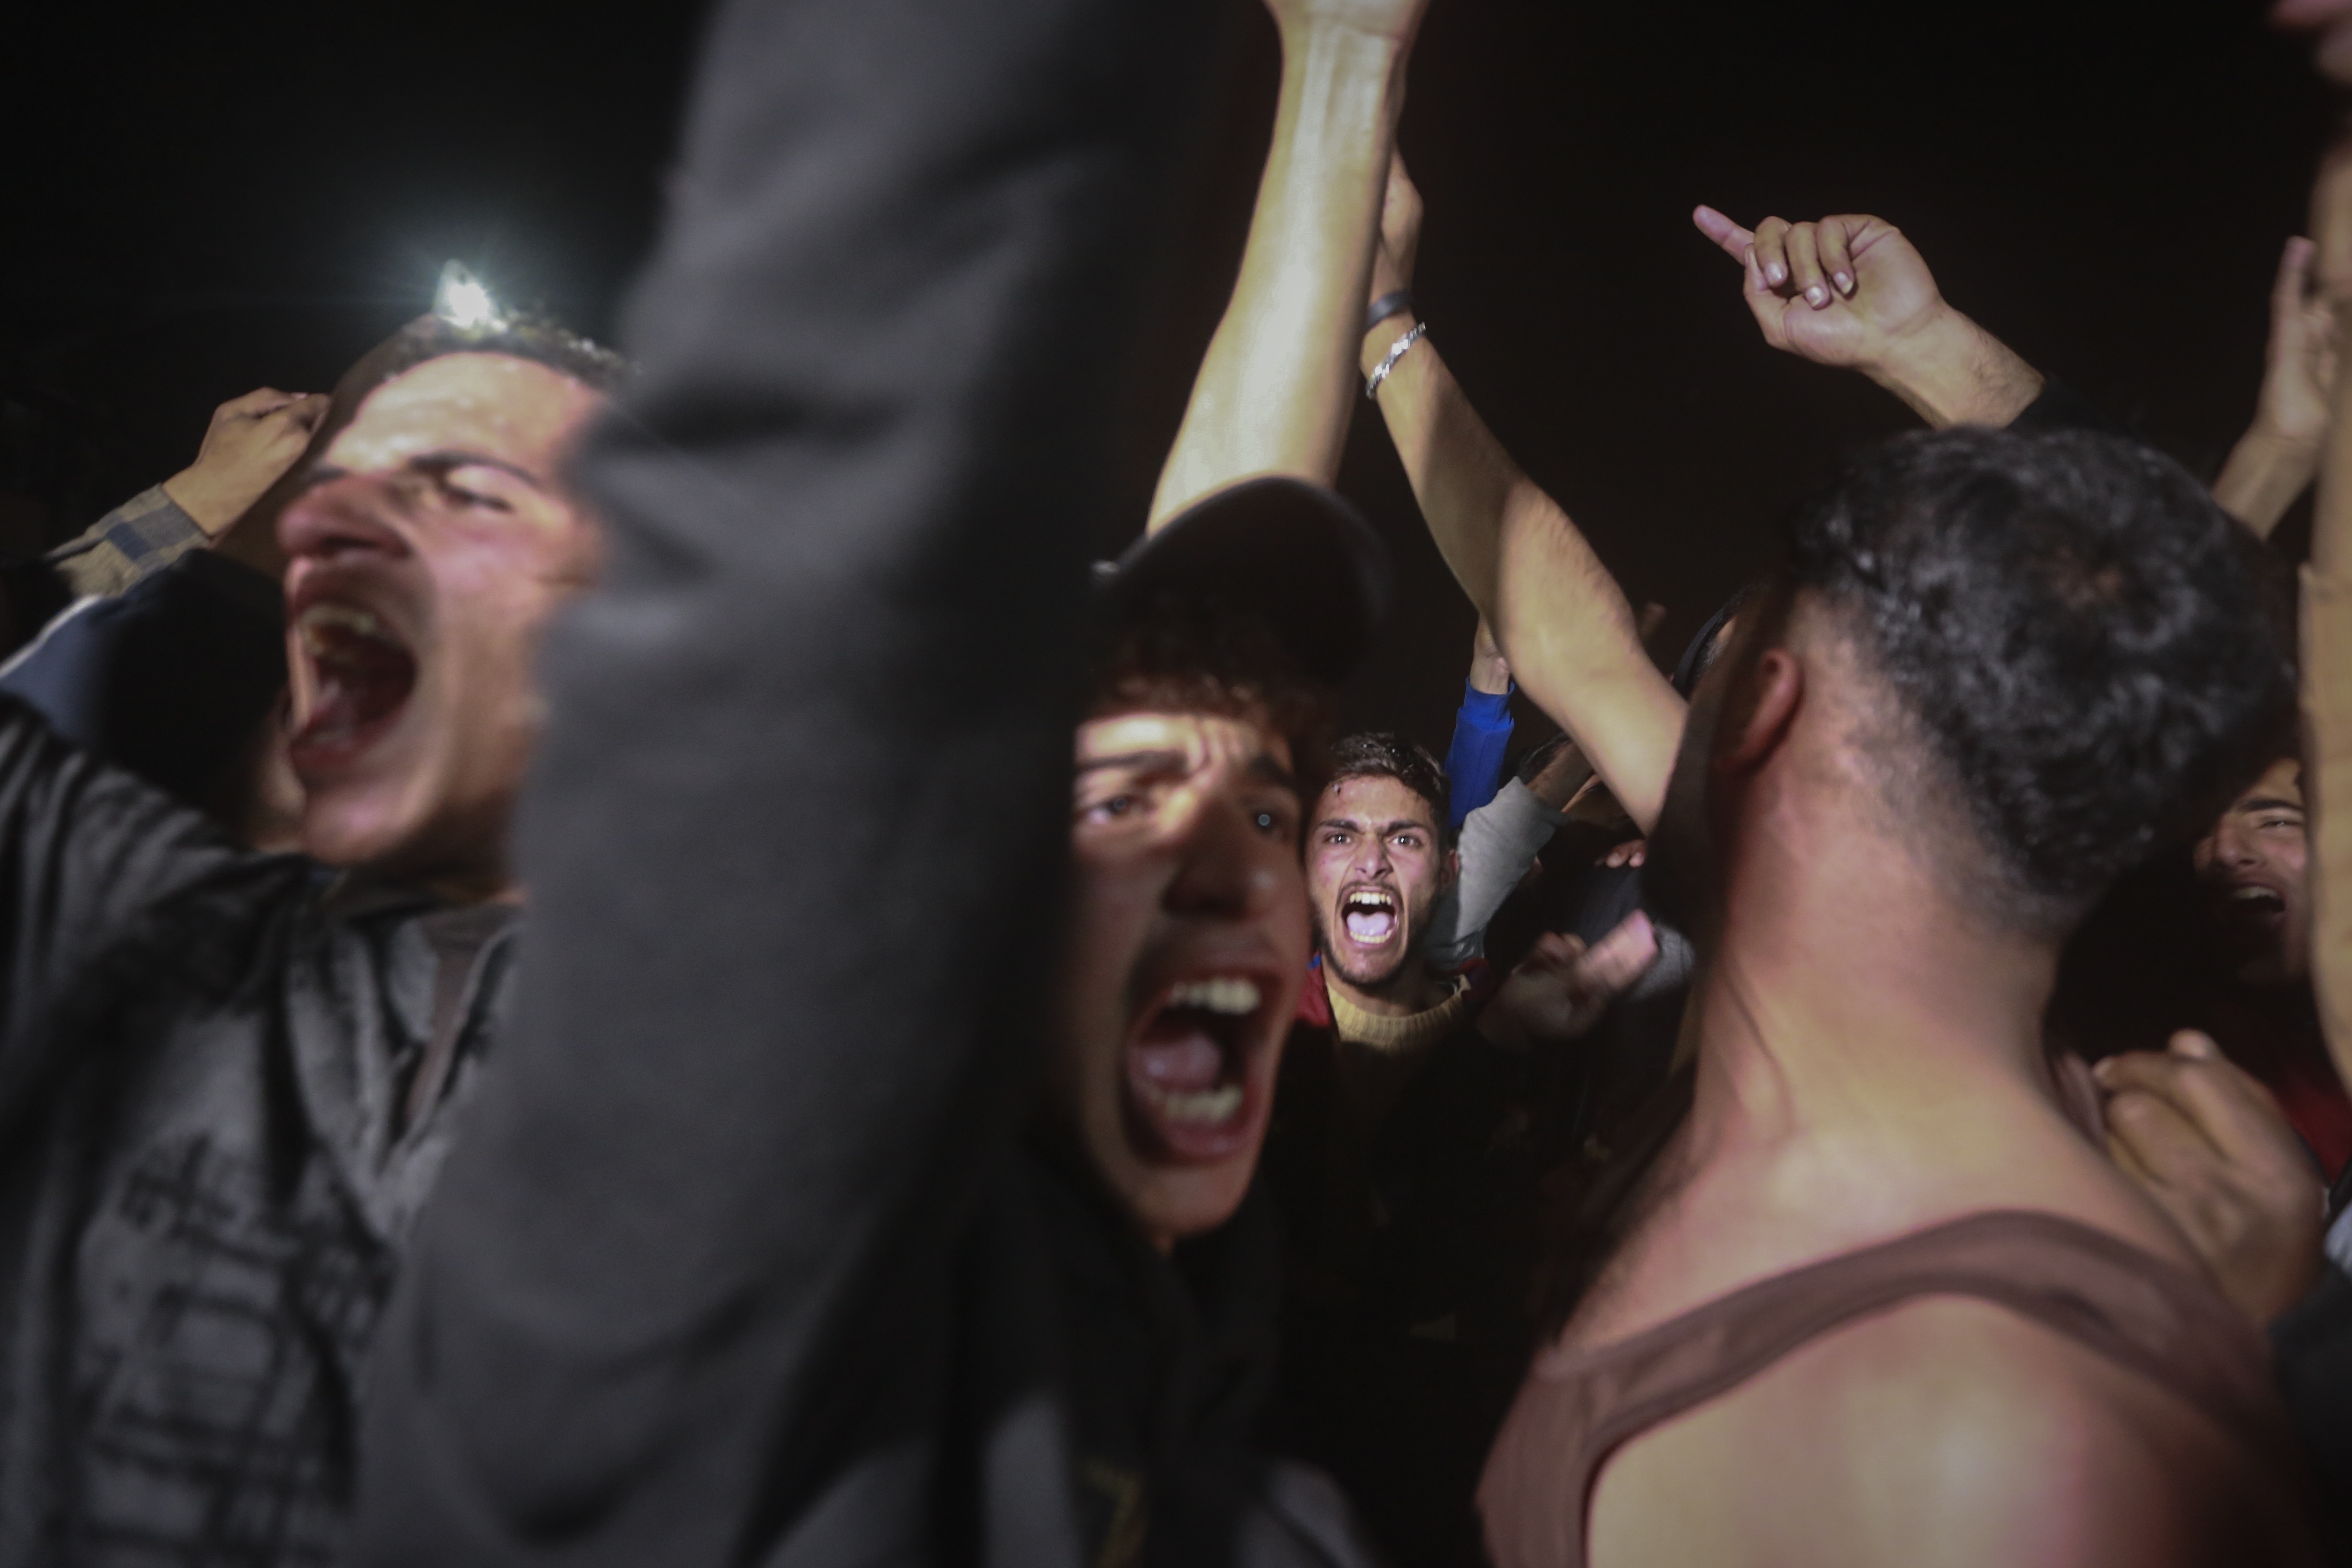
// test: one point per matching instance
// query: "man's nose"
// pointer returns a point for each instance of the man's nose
(2234, 846)
(338, 517)
(1227, 867)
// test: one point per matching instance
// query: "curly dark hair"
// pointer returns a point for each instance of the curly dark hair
(2092, 650)
(1384, 754)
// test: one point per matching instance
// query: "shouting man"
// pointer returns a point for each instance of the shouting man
(812, 1214)
(230, 1077)
(2252, 993)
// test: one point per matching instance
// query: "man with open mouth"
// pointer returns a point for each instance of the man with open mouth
(810, 1216)
(2254, 994)
(233, 1076)
(1408, 1141)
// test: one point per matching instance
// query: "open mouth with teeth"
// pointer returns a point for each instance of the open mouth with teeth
(1368, 916)
(1189, 1088)
(2255, 901)
(362, 676)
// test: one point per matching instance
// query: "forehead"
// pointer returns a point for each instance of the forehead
(1200, 739)
(2282, 779)
(504, 408)
(1373, 797)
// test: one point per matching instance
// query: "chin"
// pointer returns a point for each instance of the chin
(344, 825)
(1392, 965)
(1176, 1205)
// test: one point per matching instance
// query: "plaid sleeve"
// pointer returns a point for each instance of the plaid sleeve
(135, 541)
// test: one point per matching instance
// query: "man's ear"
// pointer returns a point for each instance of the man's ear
(1775, 690)
(1452, 869)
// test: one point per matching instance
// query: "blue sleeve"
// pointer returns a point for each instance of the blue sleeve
(1474, 764)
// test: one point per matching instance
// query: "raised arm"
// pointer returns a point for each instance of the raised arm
(1274, 395)
(690, 1272)
(2327, 651)
(2279, 453)
(1482, 731)
(1851, 293)
(250, 444)
(1567, 629)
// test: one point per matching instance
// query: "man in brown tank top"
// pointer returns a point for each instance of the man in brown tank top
(1993, 666)
(1879, 1299)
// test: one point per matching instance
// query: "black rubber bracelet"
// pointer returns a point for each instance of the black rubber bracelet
(1394, 303)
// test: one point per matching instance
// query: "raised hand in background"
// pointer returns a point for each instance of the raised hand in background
(1561, 988)
(1273, 394)
(2279, 453)
(250, 444)
(1851, 291)
(2210, 1146)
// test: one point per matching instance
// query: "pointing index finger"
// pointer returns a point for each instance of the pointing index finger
(1733, 239)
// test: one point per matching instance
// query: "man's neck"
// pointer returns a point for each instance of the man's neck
(1851, 1011)
(1412, 989)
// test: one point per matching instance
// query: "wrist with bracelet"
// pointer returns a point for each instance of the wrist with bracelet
(1395, 302)
(1397, 351)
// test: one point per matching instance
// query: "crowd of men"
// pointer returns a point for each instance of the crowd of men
(572, 997)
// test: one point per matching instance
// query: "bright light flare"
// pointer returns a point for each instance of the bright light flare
(462, 301)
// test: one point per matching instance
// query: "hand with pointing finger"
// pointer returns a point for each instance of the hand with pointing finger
(1851, 291)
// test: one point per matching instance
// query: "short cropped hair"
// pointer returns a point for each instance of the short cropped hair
(538, 338)
(1189, 653)
(2091, 649)
(1383, 753)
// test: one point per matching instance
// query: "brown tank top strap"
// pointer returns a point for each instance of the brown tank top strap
(2137, 1310)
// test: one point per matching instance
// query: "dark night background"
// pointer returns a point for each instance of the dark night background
(200, 200)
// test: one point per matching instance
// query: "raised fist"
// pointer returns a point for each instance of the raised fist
(1845, 291)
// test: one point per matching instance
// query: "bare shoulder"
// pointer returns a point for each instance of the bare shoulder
(1947, 1430)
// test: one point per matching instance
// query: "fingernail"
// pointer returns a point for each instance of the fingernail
(1776, 273)
(1845, 282)
(1817, 296)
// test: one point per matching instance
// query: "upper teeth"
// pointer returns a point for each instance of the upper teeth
(1369, 900)
(349, 617)
(2253, 893)
(1225, 994)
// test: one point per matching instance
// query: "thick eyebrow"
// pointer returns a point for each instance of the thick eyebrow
(439, 465)
(1262, 766)
(2268, 803)
(1144, 761)
(1384, 830)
